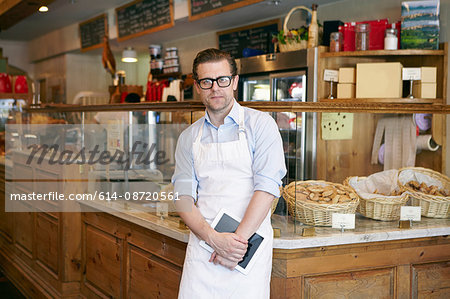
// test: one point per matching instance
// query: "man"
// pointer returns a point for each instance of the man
(231, 159)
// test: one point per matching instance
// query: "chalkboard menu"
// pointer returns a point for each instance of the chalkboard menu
(205, 8)
(143, 17)
(92, 32)
(256, 37)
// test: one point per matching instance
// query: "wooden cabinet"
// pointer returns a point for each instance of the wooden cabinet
(414, 268)
(123, 260)
(40, 251)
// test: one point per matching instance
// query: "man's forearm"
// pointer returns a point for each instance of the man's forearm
(256, 211)
(230, 246)
(193, 218)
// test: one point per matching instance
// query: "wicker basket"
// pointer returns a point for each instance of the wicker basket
(312, 213)
(303, 44)
(385, 208)
(431, 205)
(274, 204)
(293, 46)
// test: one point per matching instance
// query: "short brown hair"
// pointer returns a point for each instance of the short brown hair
(213, 55)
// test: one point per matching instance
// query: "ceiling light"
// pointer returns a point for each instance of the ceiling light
(43, 8)
(129, 55)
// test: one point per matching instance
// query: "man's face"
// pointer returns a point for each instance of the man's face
(217, 99)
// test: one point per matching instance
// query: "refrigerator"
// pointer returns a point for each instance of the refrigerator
(289, 76)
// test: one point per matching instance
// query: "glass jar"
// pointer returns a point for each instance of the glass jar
(390, 39)
(362, 32)
(156, 66)
(335, 42)
(171, 52)
(154, 51)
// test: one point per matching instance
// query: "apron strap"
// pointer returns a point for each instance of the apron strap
(200, 133)
(241, 123)
(241, 126)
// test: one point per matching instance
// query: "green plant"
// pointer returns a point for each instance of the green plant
(292, 36)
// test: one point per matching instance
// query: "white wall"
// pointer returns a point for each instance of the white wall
(53, 71)
(17, 54)
(189, 47)
(85, 73)
(54, 43)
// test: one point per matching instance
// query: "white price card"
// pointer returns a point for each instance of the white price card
(410, 213)
(162, 209)
(412, 73)
(343, 221)
(331, 75)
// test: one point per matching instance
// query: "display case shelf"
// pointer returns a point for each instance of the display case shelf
(331, 106)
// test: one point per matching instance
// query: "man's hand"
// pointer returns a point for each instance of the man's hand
(229, 249)
(219, 260)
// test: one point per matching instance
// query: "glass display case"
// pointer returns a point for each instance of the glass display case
(340, 155)
(324, 142)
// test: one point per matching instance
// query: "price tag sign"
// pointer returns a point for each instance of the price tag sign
(412, 73)
(331, 75)
(162, 209)
(410, 213)
(343, 221)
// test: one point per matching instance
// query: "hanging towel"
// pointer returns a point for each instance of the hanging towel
(399, 132)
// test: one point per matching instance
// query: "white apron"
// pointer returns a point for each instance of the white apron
(224, 172)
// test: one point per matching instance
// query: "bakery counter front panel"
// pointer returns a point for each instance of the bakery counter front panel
(378, 255)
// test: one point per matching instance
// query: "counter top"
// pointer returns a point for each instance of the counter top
(142, 216)
(367, 230)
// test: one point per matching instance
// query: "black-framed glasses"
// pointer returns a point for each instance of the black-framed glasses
(222, 81)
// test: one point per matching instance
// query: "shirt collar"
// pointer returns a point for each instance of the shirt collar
(233, 116)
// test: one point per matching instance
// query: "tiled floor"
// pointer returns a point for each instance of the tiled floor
(8, 290)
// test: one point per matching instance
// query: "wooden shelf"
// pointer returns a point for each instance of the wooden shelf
(341, 106)
(145, 106)
(409, 52)
(24, 96)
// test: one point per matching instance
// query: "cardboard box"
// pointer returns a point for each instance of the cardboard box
(379, 80)
(428, 74)
(424, 90)
(347, 75)
(346, 90)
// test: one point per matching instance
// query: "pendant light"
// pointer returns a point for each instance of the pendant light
(129, 55)
(43, 8)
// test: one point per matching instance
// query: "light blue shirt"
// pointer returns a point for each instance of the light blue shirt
(264, 142)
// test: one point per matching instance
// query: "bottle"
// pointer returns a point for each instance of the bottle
(362, 32)
(390, 39)
(335, 42)
(313, 30)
